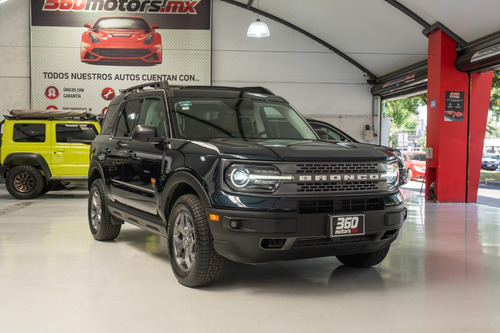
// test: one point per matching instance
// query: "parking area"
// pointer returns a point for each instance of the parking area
(441, 275)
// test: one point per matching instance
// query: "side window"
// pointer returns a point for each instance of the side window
(29, 133)
(127, 118)
(153, 113)
(75, 133)
(109, 119)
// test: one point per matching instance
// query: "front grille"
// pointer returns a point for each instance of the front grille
(339, 177)
(315, 242)
(340, 205)
(122, 53)
(338, 167)
(337, 187)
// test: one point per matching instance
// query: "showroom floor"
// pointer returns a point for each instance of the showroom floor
(442, 275)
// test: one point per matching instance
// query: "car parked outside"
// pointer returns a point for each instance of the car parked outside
(415, 165)
(489, 162)
(328, 131)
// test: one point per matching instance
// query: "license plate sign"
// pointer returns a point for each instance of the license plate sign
(347, 225)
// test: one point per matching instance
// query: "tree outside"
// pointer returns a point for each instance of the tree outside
(406, 130)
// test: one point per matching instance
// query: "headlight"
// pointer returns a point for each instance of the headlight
(149, 39)
(420, 169)
(93, 39)
(254, 178)
(392, 175)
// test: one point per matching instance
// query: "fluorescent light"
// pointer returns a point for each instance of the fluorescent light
(3, 1)
(258, 29)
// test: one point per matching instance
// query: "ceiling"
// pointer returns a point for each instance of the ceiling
(377, 35)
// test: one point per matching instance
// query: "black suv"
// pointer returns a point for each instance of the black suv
(237, 173)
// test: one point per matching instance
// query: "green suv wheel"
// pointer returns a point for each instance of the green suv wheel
(25, 182)
(99, 217)
(192, 256)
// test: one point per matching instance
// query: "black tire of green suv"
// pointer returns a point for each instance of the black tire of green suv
(99, 217)
(24, 182)
(364, 260)
(192, 256)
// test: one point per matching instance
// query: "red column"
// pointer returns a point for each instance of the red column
(453, 164)
(480, 91)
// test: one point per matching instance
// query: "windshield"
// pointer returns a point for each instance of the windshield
(245, 119)
(121, 23)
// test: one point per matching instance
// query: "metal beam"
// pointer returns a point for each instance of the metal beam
(365, 71)
(408, 12)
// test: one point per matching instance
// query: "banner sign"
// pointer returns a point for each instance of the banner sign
(84, 51)
(454, 107)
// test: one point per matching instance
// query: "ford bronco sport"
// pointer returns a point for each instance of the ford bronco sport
(237, 173)
(41, 148)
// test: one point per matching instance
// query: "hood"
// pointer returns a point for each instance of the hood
(292, 151)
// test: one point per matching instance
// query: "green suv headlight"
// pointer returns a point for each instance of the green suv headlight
(392, 175)
(254, 178)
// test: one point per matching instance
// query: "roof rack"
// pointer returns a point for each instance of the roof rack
(152, 85)
(41, 114)
(256, 89)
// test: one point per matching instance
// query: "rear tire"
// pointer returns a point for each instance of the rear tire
(364, 260)
(24, 182)
(192, 255)
(99, 217)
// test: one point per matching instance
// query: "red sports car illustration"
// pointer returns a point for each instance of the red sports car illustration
(121, 40)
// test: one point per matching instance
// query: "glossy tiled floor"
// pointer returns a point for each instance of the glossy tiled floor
(442, 275)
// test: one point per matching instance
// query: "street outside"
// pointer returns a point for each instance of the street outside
(488, 195)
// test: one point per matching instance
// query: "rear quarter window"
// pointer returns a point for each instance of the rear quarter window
(75, 133)
(28, 133)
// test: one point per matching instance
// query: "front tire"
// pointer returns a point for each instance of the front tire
(364, 260)
(25, 182)
(99, 217)
(192, 255)
(410, 174)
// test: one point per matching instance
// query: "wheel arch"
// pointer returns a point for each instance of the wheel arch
(33, 159)
(179, 184)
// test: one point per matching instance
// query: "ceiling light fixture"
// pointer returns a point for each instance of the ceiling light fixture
(258, 29)
(3, 1)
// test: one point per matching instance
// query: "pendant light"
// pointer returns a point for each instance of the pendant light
(258, 29)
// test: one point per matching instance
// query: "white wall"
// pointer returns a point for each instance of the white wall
(14, 55)
(316, 81)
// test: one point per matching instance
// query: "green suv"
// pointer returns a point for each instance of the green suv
(40, 148)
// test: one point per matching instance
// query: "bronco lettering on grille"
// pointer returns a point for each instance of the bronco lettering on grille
(338, 178)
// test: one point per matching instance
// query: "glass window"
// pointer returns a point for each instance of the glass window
(29, 133)
(246, 119)
(127, 118)
(75, 133)
(121, 23)
(153, 113)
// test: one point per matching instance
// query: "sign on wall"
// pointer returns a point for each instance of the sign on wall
(454, 108)
(84, 51)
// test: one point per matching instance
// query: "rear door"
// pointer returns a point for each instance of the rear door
(70, 148)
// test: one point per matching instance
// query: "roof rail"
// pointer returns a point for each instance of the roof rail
(40, 114)
(153, 85)
(256, 89)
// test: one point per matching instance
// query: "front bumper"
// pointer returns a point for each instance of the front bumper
(253, 237)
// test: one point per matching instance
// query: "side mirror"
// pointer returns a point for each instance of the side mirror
(87, 25)
(155, 26)
(144, 133)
